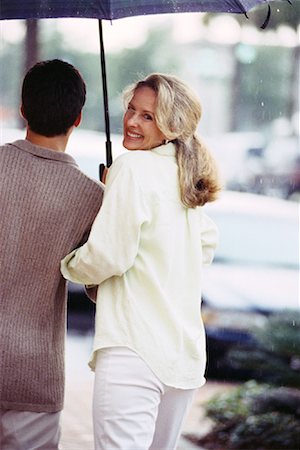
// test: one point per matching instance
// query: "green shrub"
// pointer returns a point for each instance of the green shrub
(256, 417)
(281, 334)
(260, 416)
(266, 431)
(234, 405)
(283, 400)
(276, 359)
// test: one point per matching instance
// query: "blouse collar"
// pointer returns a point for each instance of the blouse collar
(165, 150)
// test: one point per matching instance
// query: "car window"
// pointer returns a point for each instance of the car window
(246, 239)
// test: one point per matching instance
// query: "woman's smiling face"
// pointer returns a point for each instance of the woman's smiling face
(139, 125)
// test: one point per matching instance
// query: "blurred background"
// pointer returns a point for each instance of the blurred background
(247, 79)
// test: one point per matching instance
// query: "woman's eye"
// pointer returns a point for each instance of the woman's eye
(148, 117)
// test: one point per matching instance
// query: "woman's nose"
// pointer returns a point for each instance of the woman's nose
(133, 119)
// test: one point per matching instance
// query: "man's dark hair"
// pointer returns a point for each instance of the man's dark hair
(53, 94)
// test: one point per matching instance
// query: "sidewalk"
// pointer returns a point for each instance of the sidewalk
(77, 432)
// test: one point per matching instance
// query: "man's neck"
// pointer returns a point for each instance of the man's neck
(57, 143)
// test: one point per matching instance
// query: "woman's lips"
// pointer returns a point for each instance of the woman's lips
(133, 135)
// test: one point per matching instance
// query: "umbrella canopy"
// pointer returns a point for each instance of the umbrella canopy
(116, 9)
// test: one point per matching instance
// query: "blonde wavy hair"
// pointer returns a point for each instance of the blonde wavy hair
(177, 114)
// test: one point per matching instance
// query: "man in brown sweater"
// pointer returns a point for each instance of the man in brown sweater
(47, 209)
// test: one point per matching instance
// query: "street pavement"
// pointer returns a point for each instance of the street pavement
(77, 431)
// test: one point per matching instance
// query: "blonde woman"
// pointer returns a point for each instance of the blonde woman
(145, 253)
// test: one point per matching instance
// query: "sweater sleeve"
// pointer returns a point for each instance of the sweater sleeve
(114, 239)
(209, 239)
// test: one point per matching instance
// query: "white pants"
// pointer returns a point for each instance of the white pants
(25, 430)
(132, 408)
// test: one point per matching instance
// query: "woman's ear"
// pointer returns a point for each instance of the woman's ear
(78, 120)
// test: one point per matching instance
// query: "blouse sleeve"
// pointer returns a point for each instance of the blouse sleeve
(114, 239)
(209, 239)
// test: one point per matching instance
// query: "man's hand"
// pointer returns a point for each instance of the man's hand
(103, 171)
(104, 174)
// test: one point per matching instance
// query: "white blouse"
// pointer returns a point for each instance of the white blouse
(146, 252)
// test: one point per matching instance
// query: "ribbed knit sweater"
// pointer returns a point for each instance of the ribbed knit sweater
(47, 207)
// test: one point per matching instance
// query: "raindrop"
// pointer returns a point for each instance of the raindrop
(262, 104)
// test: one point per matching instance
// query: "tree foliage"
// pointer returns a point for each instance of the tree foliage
(263, 90)
(283, 12)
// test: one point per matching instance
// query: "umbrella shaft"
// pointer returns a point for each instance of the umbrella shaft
(105, 97)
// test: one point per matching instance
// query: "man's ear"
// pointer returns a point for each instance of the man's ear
(78, 120)
(22, 111)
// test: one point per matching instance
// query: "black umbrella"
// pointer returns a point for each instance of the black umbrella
(116, 9)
